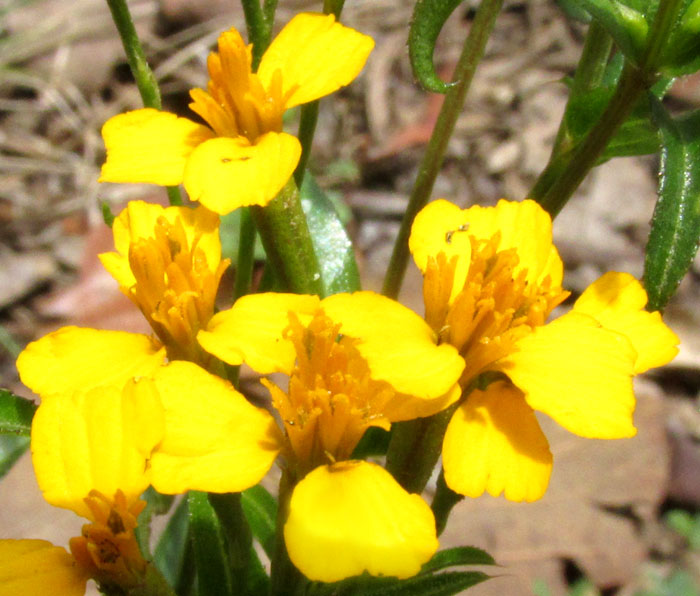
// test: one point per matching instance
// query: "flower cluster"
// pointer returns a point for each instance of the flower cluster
(121, 411)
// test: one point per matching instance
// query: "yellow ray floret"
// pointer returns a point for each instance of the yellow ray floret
(242, 157)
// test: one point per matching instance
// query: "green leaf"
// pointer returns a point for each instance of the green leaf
(441, 584)
(460, 555)
(171, 549)
(107, 216)
(675, 227)
(375, 441)
(16, 414)
(156, 504)
(209, 546)
(331, 242)
(11, 449)
(626, 25)
(681, 54)
(260, 509)
(428, 18)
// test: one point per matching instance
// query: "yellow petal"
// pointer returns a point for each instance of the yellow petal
(579, 373)
(407, 407)
(138, 220)
(36, 567)
(226, 173)
(441, 226)
(315, 56)
(352, 517)
(214, 439)
(149, 146)
(251, 331)
(494, 444)
(95, 440)
(75, 358)
(526, 227)
(398, 345)
(617, 302)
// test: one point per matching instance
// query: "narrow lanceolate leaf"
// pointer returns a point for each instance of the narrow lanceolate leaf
(675, 227)
(260, 509)
(16, 414)
(11, 448)
(209, 545)
(170, 552)
(331, 242)
(428, 18)
(441, 584)
(461, 555)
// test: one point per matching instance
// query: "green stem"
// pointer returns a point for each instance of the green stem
(238, 536)
(142, 73)
(567, 168)
(472, 52)
(269, 8)
(154, 585)
(307, 129)
(415, 448)
(145, 81)
(259, 29)
(589, 74)
(284, 576)
(246, 255)
(334, 7)
(287, 241)
(443, 502)
(565, 172)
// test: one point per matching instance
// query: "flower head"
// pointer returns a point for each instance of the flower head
(242, 157)
(491, 278)
(353, 361)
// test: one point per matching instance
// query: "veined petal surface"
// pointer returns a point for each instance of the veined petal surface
(578, 373)
(398, 345)
(226, 173)
(138, 221)
(95, 440)
(251, 331)
(214, 439)
(617, 302)
(149, 146)
(315, 56)
(494, 444)
(76, 358)
(526, 227)
(441, 226)
(36, 567)
(351, 517)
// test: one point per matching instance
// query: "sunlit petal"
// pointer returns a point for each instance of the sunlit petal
(149, 146)
(352, 517)
(95, 440)
(617, 301)
(226, 173)
(35, 567)
(75, 358)
(315, 56)
(494, 444)
(214, 439)
(579, 373)
(399, 345)
(251, 331)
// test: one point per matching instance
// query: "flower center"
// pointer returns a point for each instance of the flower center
(495, 306)
(331, 399)
(236, 103)
(175, 288)
(107, 548)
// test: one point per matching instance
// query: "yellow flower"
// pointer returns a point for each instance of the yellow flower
(96, 451)
(491, 278)
(354, 361)
(242, 157)
(168, 262)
